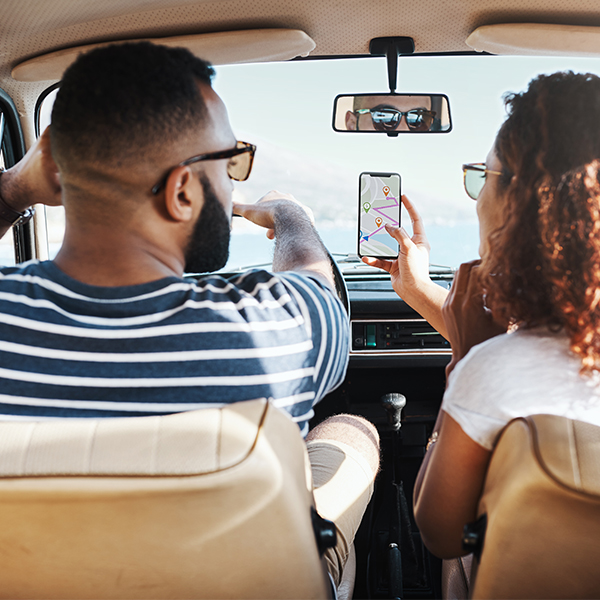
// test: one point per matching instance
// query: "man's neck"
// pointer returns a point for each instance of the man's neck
(111, 262)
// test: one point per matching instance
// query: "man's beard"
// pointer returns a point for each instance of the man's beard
(208, 248)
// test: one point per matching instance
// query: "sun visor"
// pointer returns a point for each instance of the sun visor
(228, 47)
(536, 39)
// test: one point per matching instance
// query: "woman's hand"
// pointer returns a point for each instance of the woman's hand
(467, 320)
(410, 271)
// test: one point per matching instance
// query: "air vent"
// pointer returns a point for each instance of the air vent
(403, 336)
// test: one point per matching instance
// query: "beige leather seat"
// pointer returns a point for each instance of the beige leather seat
(206, 504)
(542, 500)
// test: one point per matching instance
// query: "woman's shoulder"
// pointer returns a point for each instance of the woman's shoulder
(507, 376)
(514, 358)
(520, 344)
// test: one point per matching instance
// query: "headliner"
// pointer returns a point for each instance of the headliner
(29, 28)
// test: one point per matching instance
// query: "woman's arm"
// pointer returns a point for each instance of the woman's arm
(410, 272)
(448, 488)
(451, 477)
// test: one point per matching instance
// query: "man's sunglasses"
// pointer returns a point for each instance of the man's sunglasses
(474, 176)
(238, 168)
(388, 119)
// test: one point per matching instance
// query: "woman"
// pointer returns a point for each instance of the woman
(538, 203)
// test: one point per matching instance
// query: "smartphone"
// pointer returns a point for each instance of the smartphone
(378, 204)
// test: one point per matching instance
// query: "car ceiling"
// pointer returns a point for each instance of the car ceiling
(30, 28)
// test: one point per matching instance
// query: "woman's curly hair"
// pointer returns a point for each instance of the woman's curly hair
(543, 267)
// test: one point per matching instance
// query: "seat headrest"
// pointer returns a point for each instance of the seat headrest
(189, 443)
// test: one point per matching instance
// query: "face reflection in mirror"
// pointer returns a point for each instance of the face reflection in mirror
(390, 113)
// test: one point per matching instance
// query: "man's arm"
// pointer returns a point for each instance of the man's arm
(33, 180)
(298, 246)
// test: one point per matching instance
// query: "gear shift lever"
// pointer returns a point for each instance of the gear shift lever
(393, 404)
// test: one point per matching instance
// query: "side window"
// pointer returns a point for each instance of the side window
(18, 244)
(7, 244)
(7, 250)
(55, 215)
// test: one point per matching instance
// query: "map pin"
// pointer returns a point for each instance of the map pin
(378, 221)
(386, 190)
(367, 206)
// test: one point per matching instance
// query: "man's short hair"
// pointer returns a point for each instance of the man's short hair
(120, 102)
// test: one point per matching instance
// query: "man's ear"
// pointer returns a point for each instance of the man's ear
(182, 194)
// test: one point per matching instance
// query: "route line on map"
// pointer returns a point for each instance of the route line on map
(371, 234)
(366, 239)
(387, 216)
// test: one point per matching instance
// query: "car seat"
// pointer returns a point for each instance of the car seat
(541, 501)
(213, 503)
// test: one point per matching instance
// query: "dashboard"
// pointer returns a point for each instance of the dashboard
(384, 326)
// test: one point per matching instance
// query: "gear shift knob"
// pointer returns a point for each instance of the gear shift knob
(393, 404)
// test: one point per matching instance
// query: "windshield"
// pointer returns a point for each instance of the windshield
(286, 110)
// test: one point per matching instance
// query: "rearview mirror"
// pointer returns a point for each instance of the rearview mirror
(392, 113)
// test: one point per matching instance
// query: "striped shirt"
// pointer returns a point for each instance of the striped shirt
(68, 349)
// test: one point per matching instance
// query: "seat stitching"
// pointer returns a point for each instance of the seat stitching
(91, 447)
(218, 448)
(154, 461)
(574, 455)
(27, 447)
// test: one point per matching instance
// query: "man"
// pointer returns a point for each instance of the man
(145, 157)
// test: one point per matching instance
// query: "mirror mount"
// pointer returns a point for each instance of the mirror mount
(391, 47)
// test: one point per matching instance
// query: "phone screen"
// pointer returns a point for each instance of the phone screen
(378, 204)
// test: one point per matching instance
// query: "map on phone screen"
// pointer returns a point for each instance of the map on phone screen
(379, 204)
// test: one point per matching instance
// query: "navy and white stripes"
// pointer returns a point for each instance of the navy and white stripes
(68, 349)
